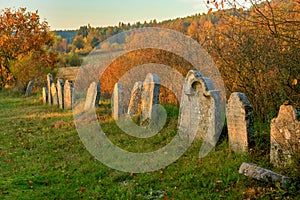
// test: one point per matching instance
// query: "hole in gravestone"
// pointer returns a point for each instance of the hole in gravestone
(195, 86)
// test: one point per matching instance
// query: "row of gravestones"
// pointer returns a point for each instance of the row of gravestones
(144, 97)
(284, 133)
(200, 109)
(59, 94)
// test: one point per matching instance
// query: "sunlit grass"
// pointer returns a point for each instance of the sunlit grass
(42, 157)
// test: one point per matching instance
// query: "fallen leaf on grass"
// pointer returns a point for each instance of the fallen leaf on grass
(83, 189)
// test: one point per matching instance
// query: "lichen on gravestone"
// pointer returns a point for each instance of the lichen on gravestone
(240, 122)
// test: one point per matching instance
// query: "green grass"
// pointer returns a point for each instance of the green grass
(42, 157)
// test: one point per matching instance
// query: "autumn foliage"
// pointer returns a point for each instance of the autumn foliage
(24, 47)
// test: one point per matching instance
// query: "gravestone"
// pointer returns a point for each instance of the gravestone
(117, 101)
(93, 96)
(60, 93)
(29, 88)
(135, 99)
(49, 82)
(68, 95)
(150, 97)
(45, 95)
(239, 113)
(285, 137)
(54, 95)
(262, 174)
(200, 111)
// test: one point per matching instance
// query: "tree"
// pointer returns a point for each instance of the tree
(22, 37)
(257, 52)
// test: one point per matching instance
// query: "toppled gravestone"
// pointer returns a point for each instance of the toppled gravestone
(150, 98)
(29, 88)
(240, 122)
(262, 174)
(285, 137)
(92, 97)
(200, 111)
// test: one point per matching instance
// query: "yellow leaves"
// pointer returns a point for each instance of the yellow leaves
(220, 38)
(295, 82)
(216, 5)
(33, 16)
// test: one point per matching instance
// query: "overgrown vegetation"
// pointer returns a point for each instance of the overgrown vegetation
(25, 52)
(41, 156)
(256, 49)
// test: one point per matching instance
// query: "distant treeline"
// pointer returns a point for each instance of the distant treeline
(256, 50)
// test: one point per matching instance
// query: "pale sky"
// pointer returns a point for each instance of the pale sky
(71, 14)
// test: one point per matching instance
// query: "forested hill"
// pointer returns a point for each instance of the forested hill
(256, 50)
(101, 33)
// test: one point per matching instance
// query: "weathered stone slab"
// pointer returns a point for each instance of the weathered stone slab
(285, 137)
(150, 97)
(60, 93)
(29, 88)
(45, 95)
(134, 107)
(54, 95)
(200, 111)
(93, 96)
(262, 174)
(117, 101)
(49, 82)
(240, 122)
(68, 95)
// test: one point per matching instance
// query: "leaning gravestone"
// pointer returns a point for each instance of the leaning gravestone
(150, 97)
(285, 137)
(68, 95)
(93, 96)
(117, 101)
(45, 95)
(29, 88)
(200, 111)
(239, 113)
(135, 99)
(54, 95)
(60, 93)
(49, 82)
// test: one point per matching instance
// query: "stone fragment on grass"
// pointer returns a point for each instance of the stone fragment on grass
(262, 174)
